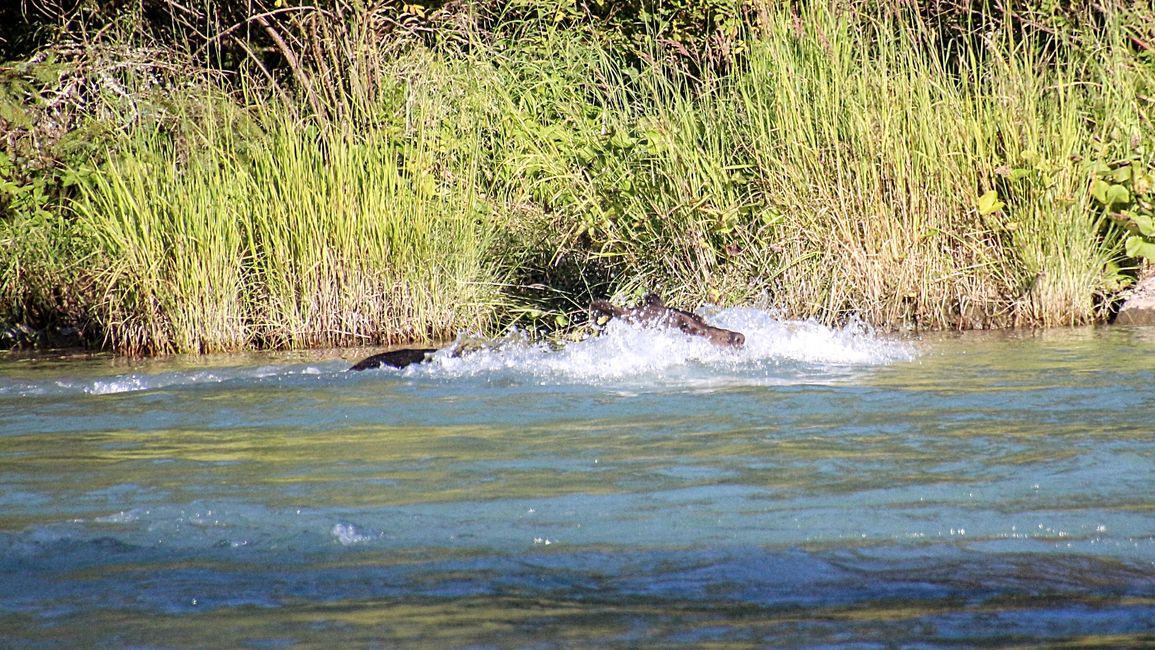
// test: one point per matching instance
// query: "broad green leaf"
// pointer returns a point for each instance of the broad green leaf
(622, 140)
(1099, 190)
(1139, 247)
(1144, 223)
(586, 154)
(1117, 194)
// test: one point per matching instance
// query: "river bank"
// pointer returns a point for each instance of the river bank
(361, 184)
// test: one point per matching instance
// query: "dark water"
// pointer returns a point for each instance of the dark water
(822, 488)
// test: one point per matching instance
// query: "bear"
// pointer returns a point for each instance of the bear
(652, 312)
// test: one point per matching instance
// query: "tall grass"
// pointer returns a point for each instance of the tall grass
(844, 164)
(259, 229)
(875, 153)
(839, 169)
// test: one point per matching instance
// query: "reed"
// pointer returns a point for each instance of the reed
(881, 151)
(278, 233)
(392, 190)
(167, 267)
(841, 170)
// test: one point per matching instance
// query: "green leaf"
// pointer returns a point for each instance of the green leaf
(1099, 191)
(1139, 247)
(989, 203)
(1117, 194)
(622, 140)
(1115, 279)
(424, 185)
(1144, 223)
(586, 154)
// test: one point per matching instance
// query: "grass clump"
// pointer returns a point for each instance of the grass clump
(253, 229)
(876, 154)
(850, 163)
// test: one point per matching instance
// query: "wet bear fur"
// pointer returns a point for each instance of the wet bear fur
(652, 312)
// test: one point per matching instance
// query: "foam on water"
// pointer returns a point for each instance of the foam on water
(622, 352)
(629, 351)
(347, 534)
(769, 338)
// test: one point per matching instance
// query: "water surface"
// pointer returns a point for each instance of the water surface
(821, 488)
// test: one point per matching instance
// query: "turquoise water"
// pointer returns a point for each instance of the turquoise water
(821, 488)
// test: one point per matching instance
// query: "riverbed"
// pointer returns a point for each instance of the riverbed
(822, 487)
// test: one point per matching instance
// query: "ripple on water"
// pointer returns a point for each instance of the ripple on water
(821, 487)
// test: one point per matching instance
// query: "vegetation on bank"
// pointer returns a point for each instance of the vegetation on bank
(387, 172)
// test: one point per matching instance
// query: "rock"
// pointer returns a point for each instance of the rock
(16, 336)
(21, 336)
(1139, 308)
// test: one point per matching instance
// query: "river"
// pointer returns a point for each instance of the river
(823, 487)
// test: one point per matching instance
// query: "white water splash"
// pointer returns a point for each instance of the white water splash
(622, 352)
(122, 517)
(347, 534)
(768, 337)
(625, 351)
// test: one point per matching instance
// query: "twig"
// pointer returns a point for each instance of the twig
(294, 64)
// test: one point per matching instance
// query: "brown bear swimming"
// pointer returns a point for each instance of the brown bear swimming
(651, 313)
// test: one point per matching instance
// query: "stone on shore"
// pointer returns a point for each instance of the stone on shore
(1139, 308)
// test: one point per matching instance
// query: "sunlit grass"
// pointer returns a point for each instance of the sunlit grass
(875, 153)
(843, 164)
(288, 234)
(838, 172)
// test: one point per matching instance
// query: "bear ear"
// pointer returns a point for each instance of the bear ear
(653, 300)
